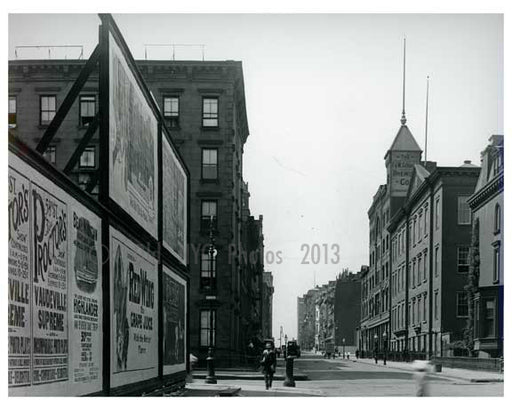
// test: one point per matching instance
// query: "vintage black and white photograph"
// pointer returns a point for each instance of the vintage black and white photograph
(256, 203)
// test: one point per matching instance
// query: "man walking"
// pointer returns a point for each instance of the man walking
(268, 362)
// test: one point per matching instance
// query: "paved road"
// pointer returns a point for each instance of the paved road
(337, 377)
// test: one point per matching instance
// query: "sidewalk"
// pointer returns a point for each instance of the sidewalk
(234, 374)
(245, 389)
(473, 376)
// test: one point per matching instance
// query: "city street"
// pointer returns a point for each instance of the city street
(338, 377)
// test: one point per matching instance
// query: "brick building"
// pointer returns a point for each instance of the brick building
(488, 230)
(203, 103)
(430, 240)
(347, 308)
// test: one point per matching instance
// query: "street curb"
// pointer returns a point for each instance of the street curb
(440, 375)
(298, 377)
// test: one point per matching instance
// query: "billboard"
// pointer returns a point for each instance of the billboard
(174, 322)
(54, 289)
(174, 211)
(134, 311)
(133, 130)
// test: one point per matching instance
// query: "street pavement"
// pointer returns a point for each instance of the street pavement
(359, 378)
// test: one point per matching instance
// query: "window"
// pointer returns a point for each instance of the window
(208, 322)
(209, 164)
(463, 211)
(425, 308)
(436, 295)
(463, 259)
(425, 266)
(87, 109)
(437, 210)
(489, 329)
(420, 226)
(210, 112)
(426, 226)
(172, 111)
(496, 263)
(497, 219)
(48, 104)
(462, 304)
(12, 111)
(413, 321)
(51, 154)
(208, 211)
(208, 270)
(413, 282)
(420, 266)
(88, 157)
(436, 261)
(414, 232)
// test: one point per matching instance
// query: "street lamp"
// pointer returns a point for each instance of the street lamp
(375, 347)
(343, 347)
(385, 345)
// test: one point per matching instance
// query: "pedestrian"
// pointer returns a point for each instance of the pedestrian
(268, 362)
(348, 355)
(357, 354)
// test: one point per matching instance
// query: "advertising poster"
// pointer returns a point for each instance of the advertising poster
(133, 144)
(54, 320)
(85, 295)
(19, 324)
(401, 172)
(50, 355)
(175, 203)
(134, 311)
(174, 317)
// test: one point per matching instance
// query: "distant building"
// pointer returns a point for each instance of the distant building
(306, 314)
(488, 228)
(347, 307)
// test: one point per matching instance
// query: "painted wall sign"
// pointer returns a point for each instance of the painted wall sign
(54, 297)
(402, 166)
(175, 322)
(133, 144)
(174, 203)
(134, 311)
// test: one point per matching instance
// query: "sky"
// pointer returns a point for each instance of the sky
(324, 101)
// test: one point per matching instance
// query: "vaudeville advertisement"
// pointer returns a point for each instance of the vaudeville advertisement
(54, 323)
(134, 311)
(175, 210)
(174, 311)
(133, 144)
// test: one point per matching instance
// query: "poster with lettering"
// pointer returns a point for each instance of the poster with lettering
(134, 311)
(54, 289)
(50, 355)
(133, 144)
(175, 203)
(85, 296)
(175, 322)
(19, 341)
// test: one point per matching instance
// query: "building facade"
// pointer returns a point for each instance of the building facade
(306, 319)
(487, 264)
(347, 308)
(203, 104)
(400, 159)
(430, 242)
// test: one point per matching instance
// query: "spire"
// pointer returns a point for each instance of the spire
(403, 120)
(426, 121)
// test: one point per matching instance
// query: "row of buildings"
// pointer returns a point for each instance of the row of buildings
(434, 283)
(330, 313)
(203, 104)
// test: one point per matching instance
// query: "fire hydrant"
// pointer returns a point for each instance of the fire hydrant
(289, 380)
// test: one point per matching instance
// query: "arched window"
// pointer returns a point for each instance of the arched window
(497, 218)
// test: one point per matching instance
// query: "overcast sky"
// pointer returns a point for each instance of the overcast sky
(324, 100)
